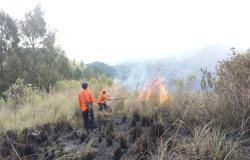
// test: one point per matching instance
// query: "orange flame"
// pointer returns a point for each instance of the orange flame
(154, 91)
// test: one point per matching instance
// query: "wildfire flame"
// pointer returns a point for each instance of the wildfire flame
(154, 91)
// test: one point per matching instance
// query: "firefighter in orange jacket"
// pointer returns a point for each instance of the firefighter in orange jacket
(102, 100)
(85, 102)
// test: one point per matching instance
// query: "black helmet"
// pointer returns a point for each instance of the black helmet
(84, 85)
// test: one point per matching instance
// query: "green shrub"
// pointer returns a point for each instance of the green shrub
(18, 92)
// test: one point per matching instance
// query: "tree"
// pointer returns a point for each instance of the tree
(82, 64)
(34, 27)
(64, 67)
(77, 74)
(8, 37)
(34, 30)
(37, 61)
(89, 73)
(8, 43)
(43, 65)
(13, 69)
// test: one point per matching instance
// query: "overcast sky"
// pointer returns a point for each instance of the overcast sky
(117, 30)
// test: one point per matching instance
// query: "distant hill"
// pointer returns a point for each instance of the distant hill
(103, 68)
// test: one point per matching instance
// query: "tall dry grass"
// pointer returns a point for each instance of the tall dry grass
(206, 142)
(49, 108)
(27, 107)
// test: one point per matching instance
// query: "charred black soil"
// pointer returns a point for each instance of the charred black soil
(117, 135)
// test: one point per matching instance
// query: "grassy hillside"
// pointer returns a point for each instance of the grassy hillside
(212, 123)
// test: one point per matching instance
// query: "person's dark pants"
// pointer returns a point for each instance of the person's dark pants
(102, 106)
(88, 119)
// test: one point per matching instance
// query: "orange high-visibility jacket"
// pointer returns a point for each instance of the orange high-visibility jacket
(83, 96)
(102, 98)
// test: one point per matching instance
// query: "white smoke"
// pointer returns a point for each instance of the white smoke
(134, 74)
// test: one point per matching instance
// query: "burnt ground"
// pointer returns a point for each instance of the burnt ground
(117, 135)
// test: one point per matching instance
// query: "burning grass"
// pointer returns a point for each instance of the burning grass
(154, 91)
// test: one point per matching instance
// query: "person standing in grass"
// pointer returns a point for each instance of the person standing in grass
(85, 102)
(102, 100)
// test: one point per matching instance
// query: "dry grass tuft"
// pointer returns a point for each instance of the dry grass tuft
(50, 108)
(206, 142)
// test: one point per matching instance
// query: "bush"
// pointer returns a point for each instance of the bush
(233, 89)
(18, 92)
(67, 84)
